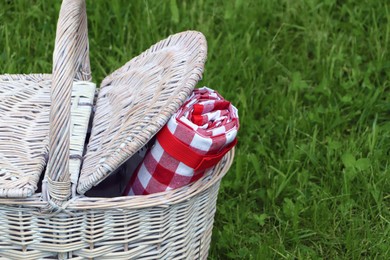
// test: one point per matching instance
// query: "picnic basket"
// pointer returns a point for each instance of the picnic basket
(58, 222)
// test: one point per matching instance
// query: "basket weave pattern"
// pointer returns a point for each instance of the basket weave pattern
(20, 167)
(170, 225)
(58, 223)
(138, 99)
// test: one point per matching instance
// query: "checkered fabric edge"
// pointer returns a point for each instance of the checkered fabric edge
(192, 142)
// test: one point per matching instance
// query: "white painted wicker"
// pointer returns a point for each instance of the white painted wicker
(138, 99)
(59, 224)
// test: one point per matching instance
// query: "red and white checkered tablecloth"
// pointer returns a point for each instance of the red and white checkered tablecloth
(192, 142)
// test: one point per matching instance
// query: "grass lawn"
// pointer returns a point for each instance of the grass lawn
(311, 177)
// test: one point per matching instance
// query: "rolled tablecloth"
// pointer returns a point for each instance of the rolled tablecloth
(192, 142)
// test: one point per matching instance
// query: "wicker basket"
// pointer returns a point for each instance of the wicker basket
(58, 223)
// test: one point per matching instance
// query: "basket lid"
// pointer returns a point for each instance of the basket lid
(24, 130)
(137, 100)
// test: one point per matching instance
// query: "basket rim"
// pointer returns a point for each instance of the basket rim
(161, 199)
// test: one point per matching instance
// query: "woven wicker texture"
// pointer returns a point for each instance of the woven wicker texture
(170, 225)
(83, 94)
(70, 60)
(24, 129)
(175, 224)
(138, 99)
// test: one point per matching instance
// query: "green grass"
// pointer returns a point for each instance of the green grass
(311, 176)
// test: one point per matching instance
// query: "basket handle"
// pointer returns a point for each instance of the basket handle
(70, 61)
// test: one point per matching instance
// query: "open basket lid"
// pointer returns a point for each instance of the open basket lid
(138, 99)
(24, 130)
